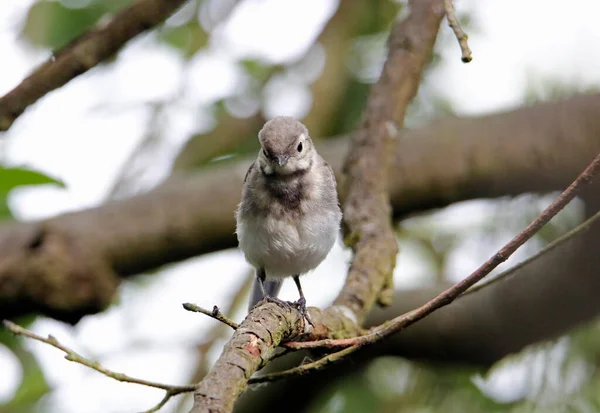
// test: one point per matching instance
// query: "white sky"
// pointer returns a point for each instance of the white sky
(84, 132)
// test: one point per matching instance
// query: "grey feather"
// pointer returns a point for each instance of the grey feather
(289, 215)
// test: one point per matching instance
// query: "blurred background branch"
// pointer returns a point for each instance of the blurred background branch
(84, 53)
(191, 215)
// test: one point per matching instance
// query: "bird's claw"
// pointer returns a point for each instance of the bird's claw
(301, 306)
(277, 301)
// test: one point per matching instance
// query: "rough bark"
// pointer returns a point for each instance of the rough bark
(366, 205)
(84, 53)
(251, 346)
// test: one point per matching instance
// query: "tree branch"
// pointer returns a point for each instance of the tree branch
(367, 210)
(215, 313)
(545, 298)
(84, 53)
(251, 347)
(70, 265)
(393, 326)
(71, 355)
(577, 231)
(218, 331)
(461, 36)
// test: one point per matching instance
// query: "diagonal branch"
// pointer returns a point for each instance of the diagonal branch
(368, 218)
(252, 345)
(367, 209)
(443, 299)
(84, 53)
(477, 329)
(215, 313)
(577, 231)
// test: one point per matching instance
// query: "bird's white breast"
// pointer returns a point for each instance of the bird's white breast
(285, 246)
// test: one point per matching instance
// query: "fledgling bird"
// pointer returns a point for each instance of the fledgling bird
(289, 215)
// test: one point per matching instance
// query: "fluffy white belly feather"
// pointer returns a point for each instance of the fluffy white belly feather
(285, 247)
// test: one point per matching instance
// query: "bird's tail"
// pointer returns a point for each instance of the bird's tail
(272, 288)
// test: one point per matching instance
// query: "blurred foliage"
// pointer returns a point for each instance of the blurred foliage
(53, 24)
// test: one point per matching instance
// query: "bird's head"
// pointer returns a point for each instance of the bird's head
(286, 147)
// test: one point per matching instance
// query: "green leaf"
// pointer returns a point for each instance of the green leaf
(13, 177)
(5, 212)
(52, 25)
(18, 176)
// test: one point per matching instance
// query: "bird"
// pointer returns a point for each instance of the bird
(289, 215)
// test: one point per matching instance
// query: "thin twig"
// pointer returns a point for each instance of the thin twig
(217, 332)
(584, 226)
(445, 298)
(306, 368)
(161, 403)
(215, 313)
(461, 36)
(172, 390)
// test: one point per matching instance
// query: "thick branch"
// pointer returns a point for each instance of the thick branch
(83, 54)
(533, 149)
(251, 346)
(367, 211)
(69, 266)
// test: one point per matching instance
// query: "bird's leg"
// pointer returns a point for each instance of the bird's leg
(262, 276)
(301, 303)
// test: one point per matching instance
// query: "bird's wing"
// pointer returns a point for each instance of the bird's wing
(329, 171)
(249, 170)
(330, 176)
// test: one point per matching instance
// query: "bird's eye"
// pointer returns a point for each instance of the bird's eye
(300, 147)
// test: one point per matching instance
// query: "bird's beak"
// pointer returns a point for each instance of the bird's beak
(282, 159)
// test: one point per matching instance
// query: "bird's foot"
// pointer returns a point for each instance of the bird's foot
(301, 306)
(277, 301)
